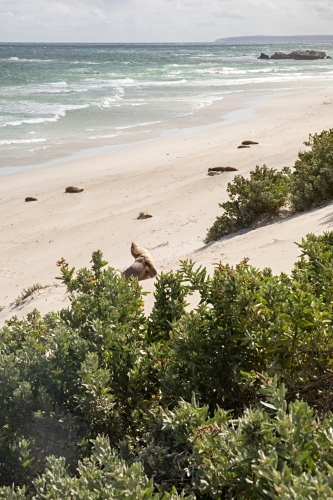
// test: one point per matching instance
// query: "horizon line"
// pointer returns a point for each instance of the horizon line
(169, 43)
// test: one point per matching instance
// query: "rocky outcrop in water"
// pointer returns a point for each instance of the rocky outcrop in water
(308, 54)
(299, 55)
(263, 56)
(280, 55)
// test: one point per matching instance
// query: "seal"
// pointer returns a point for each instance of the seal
(138, 269)
(247, 143)
(73, 189)
(30, 198)
(222, 169)
(242, 146)
(144, 215)
(143, 267)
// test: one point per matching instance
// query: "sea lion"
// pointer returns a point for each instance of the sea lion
(247, 143)
(144, 215)
(242, 146)
(139, 269)
(73, 189)
(143, 267)
(214, 173)
(30, 198)
(222, 169)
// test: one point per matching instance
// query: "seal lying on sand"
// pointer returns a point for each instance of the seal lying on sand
(242, 146)
(73, 189)
(30, 198)
(247, 143)
(144, 215)
(222, 169)
(143, 267)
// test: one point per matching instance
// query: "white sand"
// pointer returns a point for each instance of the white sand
(166, 177)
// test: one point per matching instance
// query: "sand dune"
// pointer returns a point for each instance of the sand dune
(168, 178)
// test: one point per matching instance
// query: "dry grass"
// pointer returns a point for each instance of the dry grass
(27, 293)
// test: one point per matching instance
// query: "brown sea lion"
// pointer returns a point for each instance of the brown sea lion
(247, 143)
(242, 147)
(30, 198)
(73, 189)
(222, 169)
(139, 269)
(144, 215)
(143, 267)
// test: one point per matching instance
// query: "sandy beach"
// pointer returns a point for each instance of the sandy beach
(168, 178)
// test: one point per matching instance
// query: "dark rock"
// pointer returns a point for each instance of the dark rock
(328, 57)
(307, 54)
(280, 55)
(73, 189)
(263, 56)
(30, 198)
(247, 143)
(300, 55)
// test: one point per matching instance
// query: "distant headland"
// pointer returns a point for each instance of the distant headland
(275, 39)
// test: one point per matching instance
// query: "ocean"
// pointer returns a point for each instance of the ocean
(61, 99)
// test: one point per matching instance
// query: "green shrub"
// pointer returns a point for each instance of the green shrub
(103, 476)
(32, 403)
(107, 313)
(248, 321)
(276, 449)
(312, 179)
(280, 451)
(177, 395)
(263, 194)
(309, 184)
(316, 265)
(169, 305)
(69, 376)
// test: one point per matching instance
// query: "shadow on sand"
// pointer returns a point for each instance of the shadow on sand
(267, 220)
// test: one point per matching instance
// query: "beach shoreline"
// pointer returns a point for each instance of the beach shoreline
(234, 107)
(62, 102)
(168, 178)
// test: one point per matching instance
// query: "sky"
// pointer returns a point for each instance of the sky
(159, 20)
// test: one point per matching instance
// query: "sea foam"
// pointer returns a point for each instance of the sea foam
(74, 94)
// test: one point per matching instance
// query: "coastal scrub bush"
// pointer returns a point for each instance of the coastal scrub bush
(177, 394)
(107, 314)
(276, 449)
(263, 194)
(249, 320)
(312, 177)
(315, 265)
(69, 376)
(101, 476)
(306, 186)
(169, 305)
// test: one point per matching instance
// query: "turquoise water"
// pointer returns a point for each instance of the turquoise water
(61, 99)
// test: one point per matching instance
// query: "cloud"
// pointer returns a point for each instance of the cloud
(159, 20)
